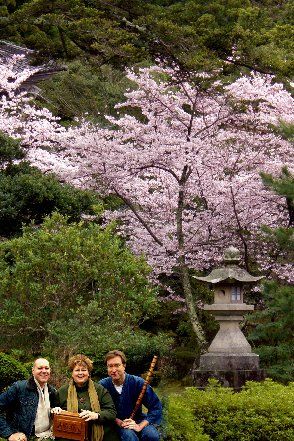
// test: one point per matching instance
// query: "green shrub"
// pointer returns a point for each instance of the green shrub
(138, 347)
(261, 411)
(180, 424)
(66, 277)
(10, 370)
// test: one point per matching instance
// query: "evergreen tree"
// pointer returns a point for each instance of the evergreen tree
(27, 195)
(197, 34)
(274, 331)
(274, 322)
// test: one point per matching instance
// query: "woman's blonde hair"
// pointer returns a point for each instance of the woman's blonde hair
(80, 359)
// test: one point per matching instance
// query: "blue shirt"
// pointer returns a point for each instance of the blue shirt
(126, 401)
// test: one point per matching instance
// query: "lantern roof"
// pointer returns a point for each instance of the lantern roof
(231, 271)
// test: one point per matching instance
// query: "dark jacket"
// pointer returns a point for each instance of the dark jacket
(107, 412)
(18, 407)
(126, 401)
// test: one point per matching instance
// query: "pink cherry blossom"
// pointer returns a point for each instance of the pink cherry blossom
(187, 167)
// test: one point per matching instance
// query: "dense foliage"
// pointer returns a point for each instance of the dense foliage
(84, 89)
(27, 195)
(191, 139)
(196, 33)
(75, 286)
(11, 370)
(97, 39)
(262, 411)
(185, 172)
(274, 329)
(274, 321)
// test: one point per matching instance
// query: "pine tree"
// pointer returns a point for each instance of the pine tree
(274, 322)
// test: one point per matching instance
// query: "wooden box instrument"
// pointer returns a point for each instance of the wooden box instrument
(69, 425)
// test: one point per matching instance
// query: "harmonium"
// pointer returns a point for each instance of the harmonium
(69, 425)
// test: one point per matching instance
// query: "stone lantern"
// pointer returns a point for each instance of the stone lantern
(229, 358)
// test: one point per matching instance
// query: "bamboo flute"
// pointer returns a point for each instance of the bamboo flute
(143, 390)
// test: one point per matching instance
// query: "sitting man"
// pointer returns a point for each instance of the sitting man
(25, 406)
(125, 390)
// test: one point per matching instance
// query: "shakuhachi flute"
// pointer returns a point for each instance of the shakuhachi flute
(143, 390)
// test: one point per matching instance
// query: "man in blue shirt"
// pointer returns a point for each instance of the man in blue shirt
(125, 390)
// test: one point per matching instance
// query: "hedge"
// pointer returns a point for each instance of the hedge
(261, 411)
(11, 370)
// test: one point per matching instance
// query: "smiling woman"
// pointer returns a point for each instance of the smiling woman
(80, 374)
(90, 400)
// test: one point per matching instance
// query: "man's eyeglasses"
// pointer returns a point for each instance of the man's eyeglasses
(115, 365)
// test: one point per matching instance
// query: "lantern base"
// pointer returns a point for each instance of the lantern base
(235, 379)
(225, 362)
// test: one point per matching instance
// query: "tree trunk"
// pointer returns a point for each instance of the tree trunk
(197, 328)
(183, 266)
(183, 269)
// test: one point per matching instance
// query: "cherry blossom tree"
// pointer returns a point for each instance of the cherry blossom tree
(185, 158)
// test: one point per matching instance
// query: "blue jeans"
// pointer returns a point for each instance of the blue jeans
(149, 433)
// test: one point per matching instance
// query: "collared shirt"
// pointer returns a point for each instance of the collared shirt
(42, 421)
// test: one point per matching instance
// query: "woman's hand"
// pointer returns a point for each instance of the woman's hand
(88, 415)
(56, 410)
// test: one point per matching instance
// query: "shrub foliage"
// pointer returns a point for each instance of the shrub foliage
(261, 411)
(10, 370)
(75, 288)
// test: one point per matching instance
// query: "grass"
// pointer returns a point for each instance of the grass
(166, 388)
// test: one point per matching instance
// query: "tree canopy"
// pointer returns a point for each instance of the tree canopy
(27, 195)
(273, 322)
(71, 276)
(195, 33)
(187, 142)
(188, 150)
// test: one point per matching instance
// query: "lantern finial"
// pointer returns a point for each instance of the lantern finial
(232, 256)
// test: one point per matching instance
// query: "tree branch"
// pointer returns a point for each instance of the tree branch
(138, 216)
(239, 231)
